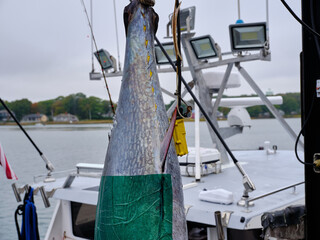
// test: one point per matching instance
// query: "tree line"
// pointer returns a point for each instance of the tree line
(94, 108)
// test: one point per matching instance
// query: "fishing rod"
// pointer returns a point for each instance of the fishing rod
(49, 165)
(248, 184)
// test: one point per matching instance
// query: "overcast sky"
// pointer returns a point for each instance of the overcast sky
(45, 48)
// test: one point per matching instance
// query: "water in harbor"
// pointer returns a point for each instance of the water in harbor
(67, 145)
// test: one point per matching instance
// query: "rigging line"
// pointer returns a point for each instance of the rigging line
(91, 15)
(299, 20)
(96, 47)
(267, 18)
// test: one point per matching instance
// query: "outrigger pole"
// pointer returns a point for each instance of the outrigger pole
(248, 184)
(49, 165)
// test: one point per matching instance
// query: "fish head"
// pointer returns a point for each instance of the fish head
(135, 7)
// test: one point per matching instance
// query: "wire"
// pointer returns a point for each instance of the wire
(299, 135)
(91, 15)
(299, 20)
(95, 44)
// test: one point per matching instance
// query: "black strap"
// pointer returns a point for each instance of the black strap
(21, 209)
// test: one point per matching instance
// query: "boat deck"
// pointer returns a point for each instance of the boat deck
(268, 172)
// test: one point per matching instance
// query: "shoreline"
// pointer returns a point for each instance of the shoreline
(110, 121)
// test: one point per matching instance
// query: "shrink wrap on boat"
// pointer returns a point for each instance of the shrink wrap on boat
(135, 207)
(221, 196)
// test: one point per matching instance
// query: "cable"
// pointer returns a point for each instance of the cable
(302, 129)
(314, 94)
(95, 44)
(91, 15)
(299, 20)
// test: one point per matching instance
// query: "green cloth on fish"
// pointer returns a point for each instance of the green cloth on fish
(134, 208)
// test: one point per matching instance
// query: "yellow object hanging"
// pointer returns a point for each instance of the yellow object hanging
(179, 137)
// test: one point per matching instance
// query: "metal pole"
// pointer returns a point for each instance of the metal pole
(310, 108)
(248, 184)
(239, 17)
(197, 137)
(267, 102)
(198, 103)
(220, 234)
(117, 37)
(267, 17)
(222, 87)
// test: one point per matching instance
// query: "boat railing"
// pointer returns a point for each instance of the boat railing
(47, 178)
(249, 201)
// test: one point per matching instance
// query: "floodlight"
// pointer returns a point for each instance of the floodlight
(105, 59)
(187, 19)
(204, 47)
(169, 48)
(95, 75)
(248, 36)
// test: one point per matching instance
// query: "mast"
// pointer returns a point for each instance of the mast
(310, 106)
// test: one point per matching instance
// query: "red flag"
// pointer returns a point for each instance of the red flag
(4, 163)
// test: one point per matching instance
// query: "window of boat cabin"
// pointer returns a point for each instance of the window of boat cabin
(83, 220)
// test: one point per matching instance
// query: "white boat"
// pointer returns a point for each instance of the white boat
(223, 200)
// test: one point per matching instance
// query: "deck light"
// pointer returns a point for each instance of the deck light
(95, 75)
(204, 47)
(105, 59)
(169, 48)
(248, 36)
(187, 19)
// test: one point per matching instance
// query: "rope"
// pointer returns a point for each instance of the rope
(29, 226)
(96, 47)
(176, 41)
